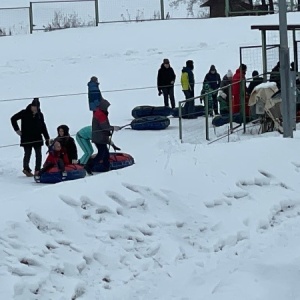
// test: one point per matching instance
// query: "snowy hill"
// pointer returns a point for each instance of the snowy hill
(186, 221)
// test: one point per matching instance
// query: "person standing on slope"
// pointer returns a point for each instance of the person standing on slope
(165, 82)
(32, 128)
(83, 138)
(94, 94)
(188, 84)
(101, 136)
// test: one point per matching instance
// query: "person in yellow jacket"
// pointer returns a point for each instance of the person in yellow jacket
(188, 83)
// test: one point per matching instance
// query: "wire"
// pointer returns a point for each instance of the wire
(79, 94)
(71, 135)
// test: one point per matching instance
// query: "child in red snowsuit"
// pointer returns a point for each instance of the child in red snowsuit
(56, 158)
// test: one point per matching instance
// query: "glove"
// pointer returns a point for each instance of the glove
(159, 93)
(115, 147)
(19, 132)
(117, 128)
(48, 143)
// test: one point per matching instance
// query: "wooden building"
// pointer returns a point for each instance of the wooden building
(236, 8)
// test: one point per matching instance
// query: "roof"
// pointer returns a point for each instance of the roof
(207, 3)
(275, 27)
(235, 4)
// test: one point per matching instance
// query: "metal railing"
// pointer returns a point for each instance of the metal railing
(205, 96)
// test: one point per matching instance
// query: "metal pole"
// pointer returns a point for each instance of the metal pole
(226, 8)
(295, 48)
(243, 102)
(206, 117)
(162, 10)
(30, 18)
(180, 120)
(230, 107)
(285, 72)
(97, 12)
(264, 54)
(293, 93)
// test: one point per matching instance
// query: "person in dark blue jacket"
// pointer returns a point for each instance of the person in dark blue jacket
(94, 93)
(214, 80)
(256, 80)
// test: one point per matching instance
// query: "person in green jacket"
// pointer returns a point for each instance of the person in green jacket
(83, 138)
(223, 102)
(207, 89)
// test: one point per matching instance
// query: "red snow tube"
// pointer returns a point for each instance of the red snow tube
(118, 160)
(54, 175)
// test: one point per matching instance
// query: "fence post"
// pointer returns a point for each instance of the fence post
(162, 10)
(97, 12)
(30, 18)
(206, 117)
(180, 120)
(243, 102)
(230, 107)
(226, 8)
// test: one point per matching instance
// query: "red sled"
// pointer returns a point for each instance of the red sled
(118, 160)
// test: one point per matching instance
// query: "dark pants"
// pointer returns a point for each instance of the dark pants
(169, 92)
(189, 107)
(27, 155)
(48, 165)
(215, 103)
(102, 155)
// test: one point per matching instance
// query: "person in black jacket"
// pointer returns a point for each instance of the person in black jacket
(275, 75)
(214, 80)
(165, 82)
(67, 143)
(32, 128)
(256, 80)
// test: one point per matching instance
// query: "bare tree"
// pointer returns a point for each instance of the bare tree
(190, 4)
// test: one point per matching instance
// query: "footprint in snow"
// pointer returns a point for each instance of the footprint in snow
(146, 192)
(123, 202)
(42, 224)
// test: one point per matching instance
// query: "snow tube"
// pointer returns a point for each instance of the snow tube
(222, 120)
(199, 111)
(146, 110)
(118, 160)
(53, 175)
(150, 123)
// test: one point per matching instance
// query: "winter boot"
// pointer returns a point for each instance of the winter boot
(27, 173)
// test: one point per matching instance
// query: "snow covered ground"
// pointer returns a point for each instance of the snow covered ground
(187, 221)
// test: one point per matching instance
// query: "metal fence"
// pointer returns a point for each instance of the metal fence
(62, 14)
(14, 21)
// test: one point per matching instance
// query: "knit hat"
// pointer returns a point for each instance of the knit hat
(212, 68)
(229, 74)
(36, 102)
(94, 79)
(166, 61)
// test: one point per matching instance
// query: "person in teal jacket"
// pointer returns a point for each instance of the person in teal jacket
(83, 138)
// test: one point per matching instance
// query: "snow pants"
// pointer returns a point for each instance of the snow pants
(86, 147)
